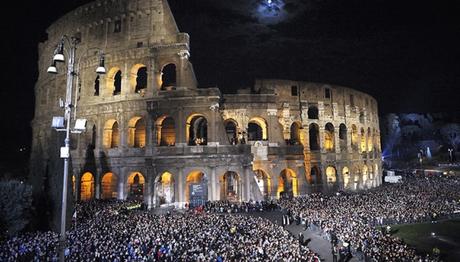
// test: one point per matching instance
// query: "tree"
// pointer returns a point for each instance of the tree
(451, 135)
(15, 206)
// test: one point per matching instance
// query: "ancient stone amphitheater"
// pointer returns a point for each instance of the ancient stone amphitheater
(151, 133)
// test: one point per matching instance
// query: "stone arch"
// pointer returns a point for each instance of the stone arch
(168, 76)
(295, 133)
(135, 183)
(230, 188)
(164, 188)
(114, 77)
(257, 129)
(331, 175)
(313, 112)
(315, 176)
(288, 184)
(263, 182)
(196, 188)
(138, 77)
(97, 85)
(231, 130)
(363, 145)
(136, 132)
(346, 177)
(166, 131)
(197, 130)
(365, 176)
(329, 137)
(370, 141)
(87, 186)
(109, 185)
(354, 137)
(313, 133)
(361, 117)
(111, 134)
(343, 137)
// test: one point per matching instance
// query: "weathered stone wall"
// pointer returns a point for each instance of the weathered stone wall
(250, 145)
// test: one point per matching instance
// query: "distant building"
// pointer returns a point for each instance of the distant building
(152, 134)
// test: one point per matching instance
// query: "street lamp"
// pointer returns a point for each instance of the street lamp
(59, 122)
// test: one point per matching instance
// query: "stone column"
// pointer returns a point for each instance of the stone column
(121, 184)
(337, 139)
(301, 179)
(148, 188)
(274, 129)
(181, 183)
(149, 135)
(98, 182)
(180, 127)
(247, 183)
(212, 135)
(183, 55)
(125, 84)
(323, 178)
(212, 185)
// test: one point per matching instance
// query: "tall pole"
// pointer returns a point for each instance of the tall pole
(66, 155)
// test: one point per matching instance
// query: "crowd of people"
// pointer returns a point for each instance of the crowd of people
(122, 231)
(355, 218)
(110, 231)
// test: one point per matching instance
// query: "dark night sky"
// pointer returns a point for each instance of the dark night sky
(404, 53)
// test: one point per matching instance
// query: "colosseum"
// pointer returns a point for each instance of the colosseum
(152, 134)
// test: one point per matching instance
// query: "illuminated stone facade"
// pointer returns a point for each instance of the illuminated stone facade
(152, 134)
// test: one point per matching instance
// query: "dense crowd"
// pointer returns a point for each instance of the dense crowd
(355, 218)
(239, 207)
(106, 232)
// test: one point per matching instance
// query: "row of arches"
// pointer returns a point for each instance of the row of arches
(195, 191)
(138, 79)
(257, 129)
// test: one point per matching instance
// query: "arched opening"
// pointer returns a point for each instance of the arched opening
(257, 129)
(365, 176)
(313, 112)
(370, 142)
(354, 138)
(313, 133)
(361, 117)
(231, 131)
(363, 141)
(315, 176)
(346, 177)
(166, 131)
(196, 189)
(295, 134)
(329, 138)
(109, 186)
(136, 183)
(111, 134)
(96, 85)
(168, 76)
(197, 130)
(287, 184)
(331, 175)
(87, 187)
(136, 132)
(343, 137)
(139, 77)
(263, 182)
(117, 83)
(230, 187)
(165, 189)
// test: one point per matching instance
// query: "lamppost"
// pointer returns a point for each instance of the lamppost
(58, 122)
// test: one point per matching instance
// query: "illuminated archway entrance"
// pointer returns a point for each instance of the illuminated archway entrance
(87, 187)
(287, 184)
(346, 177)
(197, 130)
(136, 183)
(263, 182)
(165, 188)
(109, 186)
(230, 186)
(166, 131)
(196, 189)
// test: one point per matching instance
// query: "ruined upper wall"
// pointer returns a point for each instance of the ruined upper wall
(115, 24)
